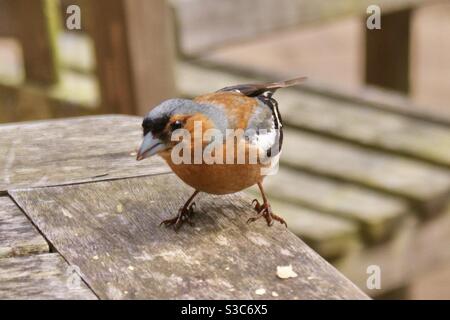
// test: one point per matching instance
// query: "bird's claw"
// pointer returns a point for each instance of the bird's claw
(184, 215)
(256, 205)
(265, 211)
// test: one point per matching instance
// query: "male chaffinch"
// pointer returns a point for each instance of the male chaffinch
(248, 107)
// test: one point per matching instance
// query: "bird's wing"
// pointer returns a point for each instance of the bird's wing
(254, 115)
(264, 92)
(251, 106)
(237, 107)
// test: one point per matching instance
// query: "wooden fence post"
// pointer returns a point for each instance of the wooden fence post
(388, 52)
(8, 21)
(135, 53)
(37, 29)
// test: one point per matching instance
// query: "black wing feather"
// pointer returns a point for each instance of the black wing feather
(254, 90)
(264, 93)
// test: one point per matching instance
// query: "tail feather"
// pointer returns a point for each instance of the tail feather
(286, 83)
(253, 90)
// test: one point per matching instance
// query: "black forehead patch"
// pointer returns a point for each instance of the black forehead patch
(155, 125)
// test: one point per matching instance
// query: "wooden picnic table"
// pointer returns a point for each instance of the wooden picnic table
(79, 219)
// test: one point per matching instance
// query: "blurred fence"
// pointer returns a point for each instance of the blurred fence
(133, 46)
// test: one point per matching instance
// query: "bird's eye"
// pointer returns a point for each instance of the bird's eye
(176, 125)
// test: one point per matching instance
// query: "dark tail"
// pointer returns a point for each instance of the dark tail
(286, 83)
(254, 90)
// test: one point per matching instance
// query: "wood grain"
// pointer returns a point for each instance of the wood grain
(72, 151)
(17, 235)
(43, 276)
(361, 124)
(416, 249)
(330, 236)
(111, 231)
(425, 185)
(377, 215)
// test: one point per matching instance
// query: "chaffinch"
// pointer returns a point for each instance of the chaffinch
(207, 127)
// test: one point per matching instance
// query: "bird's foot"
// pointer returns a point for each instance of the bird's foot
(264, 210)
(184, 215)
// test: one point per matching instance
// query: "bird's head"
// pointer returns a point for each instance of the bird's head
(171, 115)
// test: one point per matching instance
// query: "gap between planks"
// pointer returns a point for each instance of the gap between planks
(18, 235)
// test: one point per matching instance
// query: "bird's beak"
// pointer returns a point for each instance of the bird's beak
(149, 147)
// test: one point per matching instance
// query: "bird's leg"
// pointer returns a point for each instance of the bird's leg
(183, 215)
(264, 210)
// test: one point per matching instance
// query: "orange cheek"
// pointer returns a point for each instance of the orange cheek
(197, 125)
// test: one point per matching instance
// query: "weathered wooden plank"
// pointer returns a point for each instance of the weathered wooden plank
(349, 118)
(388, 52)
(261, 16)
(17, 235)
(416, 249)
(111, 231)
(72, 151)
(366, 126)
(135, 53)
(377, 215)
(43, 276)
(427, 186)
(331, 237)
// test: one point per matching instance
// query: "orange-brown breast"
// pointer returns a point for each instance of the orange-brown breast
(238, 107)
(218, 178)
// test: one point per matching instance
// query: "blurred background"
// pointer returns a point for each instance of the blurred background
(365, 171)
